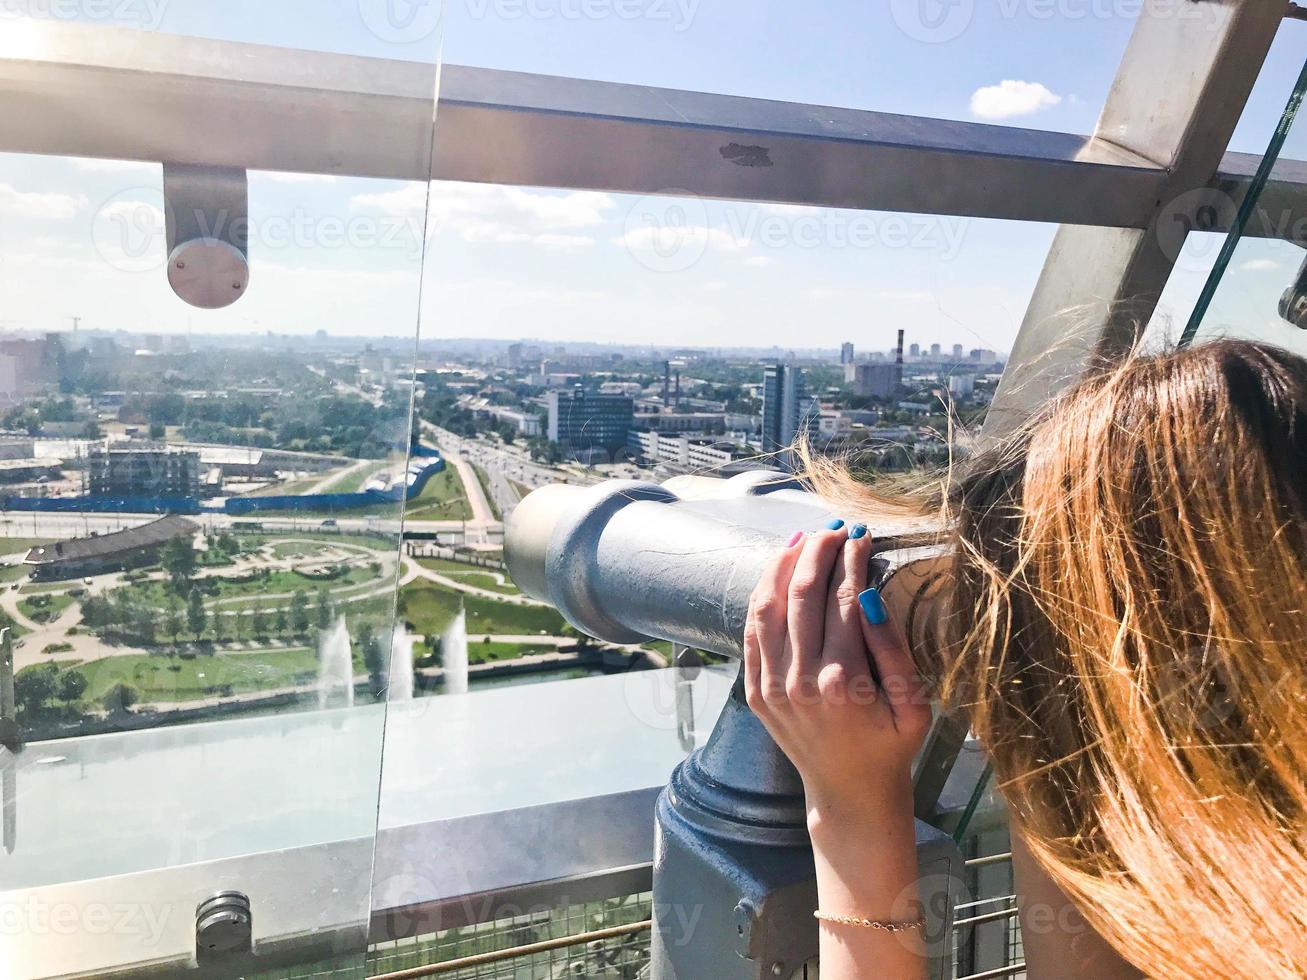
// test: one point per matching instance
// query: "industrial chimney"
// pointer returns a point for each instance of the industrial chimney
(898, 361)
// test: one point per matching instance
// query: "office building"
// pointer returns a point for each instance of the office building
(786, 407)
(846, 353)
(936, 350)
(873, 380)
(957, 352)
(584, 421)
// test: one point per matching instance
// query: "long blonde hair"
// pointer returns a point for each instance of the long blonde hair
(1127, 632)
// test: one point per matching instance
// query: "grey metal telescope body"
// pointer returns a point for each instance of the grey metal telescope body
(627, 561)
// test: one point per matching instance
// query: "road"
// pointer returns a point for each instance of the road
(504, 466)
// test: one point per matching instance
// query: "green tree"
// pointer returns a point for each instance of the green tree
(195, 614)
(120, 698)
(72, 685)
(157, 430)
(259, 621)
(172, 620)
(34, 687)
(279, 623)
(324, 609)
(178, 560)
(299, 612)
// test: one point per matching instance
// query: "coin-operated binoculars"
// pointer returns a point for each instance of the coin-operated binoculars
(626, 561)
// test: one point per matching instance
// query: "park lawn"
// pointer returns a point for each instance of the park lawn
(471, 574)
(430, 608)
(299, 549)
(191, 678)
(45, 608)
(47, 587)
(489, 616)
(442, 499)
(253, 540)
(16, 545)
(277, 583)
(12, 573)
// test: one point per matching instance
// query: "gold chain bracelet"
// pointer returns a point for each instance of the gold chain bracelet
(884, 926)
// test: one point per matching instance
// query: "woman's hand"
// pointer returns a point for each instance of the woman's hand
(834, 684)
(831, 679)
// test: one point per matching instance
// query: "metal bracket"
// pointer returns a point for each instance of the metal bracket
(208, 224)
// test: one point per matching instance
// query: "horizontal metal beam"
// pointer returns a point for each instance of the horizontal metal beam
(81, 90)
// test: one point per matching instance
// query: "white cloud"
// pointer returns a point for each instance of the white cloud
(1259, 265)
(1011, 98)
(46, 207)
(487, 213)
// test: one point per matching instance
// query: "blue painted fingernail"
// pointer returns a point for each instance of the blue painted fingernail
(834, 525)
(873, 606)
(857, 531)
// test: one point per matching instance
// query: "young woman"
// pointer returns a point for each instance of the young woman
(1127, 633)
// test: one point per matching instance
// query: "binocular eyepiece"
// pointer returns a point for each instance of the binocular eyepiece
(627, 561)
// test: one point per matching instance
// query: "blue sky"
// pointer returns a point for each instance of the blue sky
(514, 262)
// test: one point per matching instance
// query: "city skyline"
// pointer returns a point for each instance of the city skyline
(347, 254)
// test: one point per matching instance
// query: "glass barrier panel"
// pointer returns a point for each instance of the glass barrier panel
(206, 378)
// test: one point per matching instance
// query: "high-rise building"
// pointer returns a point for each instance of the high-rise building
(914, 350)
(514, 356)
(957, 352)
(786, 408)
(983, 355)
(936, 350)
(585, 421)
(846, 352)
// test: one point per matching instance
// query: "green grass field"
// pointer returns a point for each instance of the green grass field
(278, 582)
(431, 607)
(12, 573)
(16, 545)
(45, 607)
(442, 499)
(178, 678)
(481, 578)
(299, 549)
